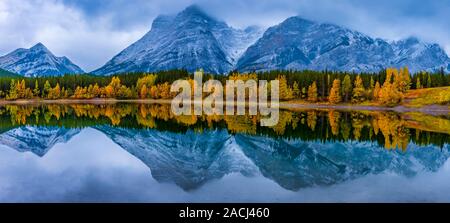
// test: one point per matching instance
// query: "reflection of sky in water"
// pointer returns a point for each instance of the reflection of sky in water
(91, 167)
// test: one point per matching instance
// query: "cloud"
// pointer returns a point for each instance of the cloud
(91, 32)
(66, 31)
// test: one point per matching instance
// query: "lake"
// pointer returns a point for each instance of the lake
(129, 152)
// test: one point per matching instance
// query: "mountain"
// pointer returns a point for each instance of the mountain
(36, 62)
(5, 73)
(419, 55)
(300, 44)
(190, 40)
(38, 140)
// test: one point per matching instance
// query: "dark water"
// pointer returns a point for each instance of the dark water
(143, 153)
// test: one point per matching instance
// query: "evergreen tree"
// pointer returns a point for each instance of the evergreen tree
(418, 84)
(372, 83)
(36, 91)
(12, 95)
(346, 87)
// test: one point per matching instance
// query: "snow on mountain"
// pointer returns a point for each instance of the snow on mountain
(36, 62)
(38, 140)
(190, 40)
(418, 55)
(193, 40)
(300, 44)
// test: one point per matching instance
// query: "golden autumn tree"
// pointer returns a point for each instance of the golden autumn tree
(116, 89)
(143, 91)
(148, 81)
(154, 92)
(335, 92)
(358, 90)
(54, 93)
(376, 91)
(286, 92)
(47, 88)
(312, 92)
(402, 79)
(164, 90)
(389, 95)
(296, 90)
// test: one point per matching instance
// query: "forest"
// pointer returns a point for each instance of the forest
(386, 87)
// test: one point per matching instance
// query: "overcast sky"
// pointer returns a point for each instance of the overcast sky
(90, 32)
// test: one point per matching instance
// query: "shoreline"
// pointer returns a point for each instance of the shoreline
(428, 109)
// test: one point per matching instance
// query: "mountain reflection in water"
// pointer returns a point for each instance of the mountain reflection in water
(307, 149)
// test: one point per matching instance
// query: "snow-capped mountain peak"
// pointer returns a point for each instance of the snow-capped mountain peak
(299, 44)
(37, 61)
(189, 40)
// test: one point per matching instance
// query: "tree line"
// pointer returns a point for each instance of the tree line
(385, 87)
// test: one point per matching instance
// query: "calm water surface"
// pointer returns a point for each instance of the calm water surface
(143, 153)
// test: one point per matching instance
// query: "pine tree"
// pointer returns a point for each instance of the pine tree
(303, 93)
(36, 90)
(372, 83)
(346, 87)
(312, 92)
(418, 84)
(335, 92)
(358, 90)
(429, 81)
(12, 95)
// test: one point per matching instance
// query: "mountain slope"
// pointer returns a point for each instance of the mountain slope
(190, 40)
(37, 61)
(301, 44)
(5, 73)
